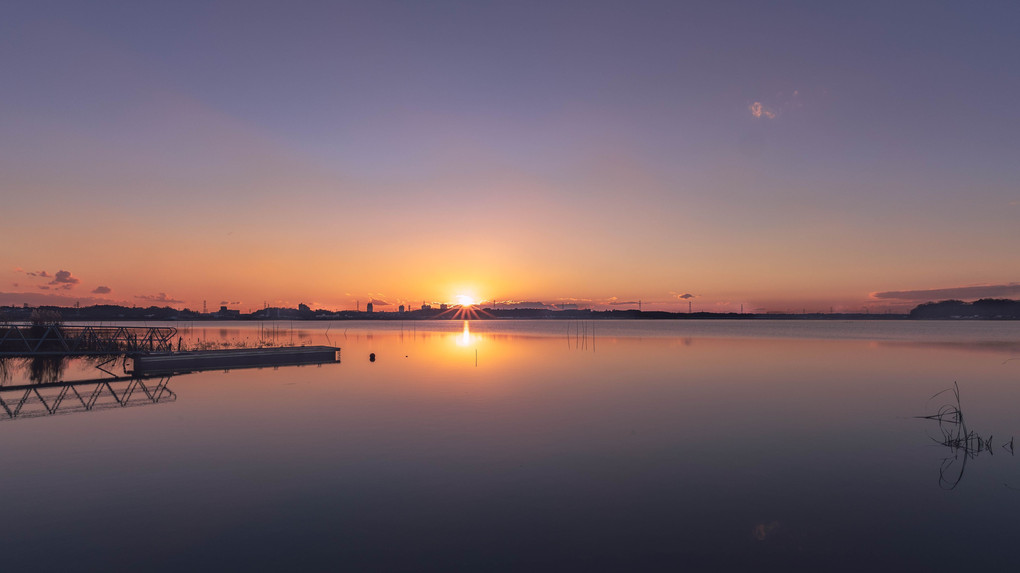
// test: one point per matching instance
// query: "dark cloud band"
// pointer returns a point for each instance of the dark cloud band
(970, 292)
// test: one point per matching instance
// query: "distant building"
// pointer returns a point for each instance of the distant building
(426, 306)
(227, 313)
(401, 308)
(369, 307)
(444, 306)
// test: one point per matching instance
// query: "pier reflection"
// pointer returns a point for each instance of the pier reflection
(52, 398)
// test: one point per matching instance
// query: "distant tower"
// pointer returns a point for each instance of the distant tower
(205, 309)
(689, 307)
(639, 306)
(369, 307)
(401, 309)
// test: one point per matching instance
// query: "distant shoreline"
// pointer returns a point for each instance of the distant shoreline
(985, 309)
(453, 313)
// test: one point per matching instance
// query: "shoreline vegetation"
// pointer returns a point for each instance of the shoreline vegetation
(984, 309)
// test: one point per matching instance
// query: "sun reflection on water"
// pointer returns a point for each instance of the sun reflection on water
(465, 338)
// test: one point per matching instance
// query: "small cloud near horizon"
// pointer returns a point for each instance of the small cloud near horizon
(64, 280)
(160, 297)
(974, 292)
(379, 302)
(40, 274)
(227, 302)
(522, 304)
(101, 290)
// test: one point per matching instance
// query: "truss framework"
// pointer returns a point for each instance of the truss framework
(59, 340)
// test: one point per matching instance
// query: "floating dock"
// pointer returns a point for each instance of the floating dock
(195, 361)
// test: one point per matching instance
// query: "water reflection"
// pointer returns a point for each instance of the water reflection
(38, 369)
(666, 448)
(43, 369)
(465, 338)
(1006, 347)
(52, 398)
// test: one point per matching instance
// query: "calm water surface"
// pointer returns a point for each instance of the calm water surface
(519, 445)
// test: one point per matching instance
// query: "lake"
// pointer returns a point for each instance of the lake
(531, 445)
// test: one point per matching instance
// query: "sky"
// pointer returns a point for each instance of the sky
(779, 156)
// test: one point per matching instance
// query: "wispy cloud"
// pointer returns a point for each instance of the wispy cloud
(159, 297)
(101, 290)
(229, 302)
(759, 111)
(967, 292)
(56, 299)
(508, 304)
(779, 104)
(379, 302)
(41, 274)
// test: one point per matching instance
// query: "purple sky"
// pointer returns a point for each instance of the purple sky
(775, 155)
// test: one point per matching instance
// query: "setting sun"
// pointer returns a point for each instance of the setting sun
(465, 300)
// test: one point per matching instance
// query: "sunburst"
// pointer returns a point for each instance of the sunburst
(467, 309)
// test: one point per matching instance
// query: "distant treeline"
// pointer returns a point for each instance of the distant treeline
(986, 308)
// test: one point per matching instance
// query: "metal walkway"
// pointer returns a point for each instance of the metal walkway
(60, 340)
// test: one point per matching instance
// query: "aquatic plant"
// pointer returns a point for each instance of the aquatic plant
(46, 369)
(5, 369)
(954, 434)
(199, 344)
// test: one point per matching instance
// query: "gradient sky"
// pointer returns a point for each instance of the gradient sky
(780, 156)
